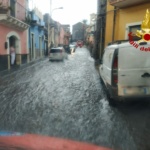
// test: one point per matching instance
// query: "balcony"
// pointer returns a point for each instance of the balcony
(13, 16)
(35, 20)
(126, 3)
(41, 25)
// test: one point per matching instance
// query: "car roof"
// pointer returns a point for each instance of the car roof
(57, 48)
(125, 44)
(114, 46)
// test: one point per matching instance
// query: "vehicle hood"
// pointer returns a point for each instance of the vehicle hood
(17, 141)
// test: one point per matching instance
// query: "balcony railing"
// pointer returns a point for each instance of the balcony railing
(126, 3)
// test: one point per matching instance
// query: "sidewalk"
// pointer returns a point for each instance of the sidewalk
(20, 67)
(96, 61)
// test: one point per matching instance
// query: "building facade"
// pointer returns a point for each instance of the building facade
(90, 30)
(78, 31)
(67, 34)
(124, 17)
(100, 29)
(115, 19)
(61, 36)
(14, 29)
(37, 43)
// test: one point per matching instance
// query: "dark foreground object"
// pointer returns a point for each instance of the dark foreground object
(37, 142)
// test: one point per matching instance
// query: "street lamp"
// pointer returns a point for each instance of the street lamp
(55, 9)
(49, 30)
(52, 29)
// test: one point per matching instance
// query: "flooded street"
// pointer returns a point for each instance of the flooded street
(65, 99)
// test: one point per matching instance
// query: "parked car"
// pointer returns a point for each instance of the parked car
(125, 71)
(74, 43)
(72, 48)
(67, 49)
(80, 43)
(57, 53)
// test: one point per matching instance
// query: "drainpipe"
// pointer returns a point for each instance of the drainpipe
(29, 46)
(114, 23)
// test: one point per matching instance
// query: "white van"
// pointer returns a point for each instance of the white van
(125, 71)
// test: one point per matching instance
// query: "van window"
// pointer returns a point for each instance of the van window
(103, 56)
(55, 50)
(108, 56)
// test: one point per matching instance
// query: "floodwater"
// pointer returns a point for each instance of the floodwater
(66, 99)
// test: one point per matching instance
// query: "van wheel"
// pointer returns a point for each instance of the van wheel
(101, 81)
(111, 101)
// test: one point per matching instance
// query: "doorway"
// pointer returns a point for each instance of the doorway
(40, 46)
(12, 51)
(32, 54)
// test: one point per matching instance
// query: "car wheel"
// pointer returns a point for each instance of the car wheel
(111, 101)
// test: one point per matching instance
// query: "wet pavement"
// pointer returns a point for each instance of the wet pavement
(65, 99)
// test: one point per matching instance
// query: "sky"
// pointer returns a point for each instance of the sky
(73, 10)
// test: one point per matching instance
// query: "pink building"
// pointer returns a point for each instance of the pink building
(67, 34)
(66, 38)
(61, 36)
(13, 32)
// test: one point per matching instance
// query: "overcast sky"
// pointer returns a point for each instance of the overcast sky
(73, 10)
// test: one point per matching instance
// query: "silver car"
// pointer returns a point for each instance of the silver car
(57, 53)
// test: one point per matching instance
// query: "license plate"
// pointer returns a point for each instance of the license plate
(54, 54)
(135, 91)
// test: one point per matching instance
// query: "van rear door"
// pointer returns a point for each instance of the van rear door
(105, 68)
(133, 71)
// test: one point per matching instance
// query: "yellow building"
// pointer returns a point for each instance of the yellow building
(124, 16)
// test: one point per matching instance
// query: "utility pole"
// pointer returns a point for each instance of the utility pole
(100, 29)
(50, 7)
(49, 31)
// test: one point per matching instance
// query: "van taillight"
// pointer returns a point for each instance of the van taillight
(115, 64)
(115, 78)
(115, 71)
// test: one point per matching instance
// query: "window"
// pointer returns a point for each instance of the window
(133, 29)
